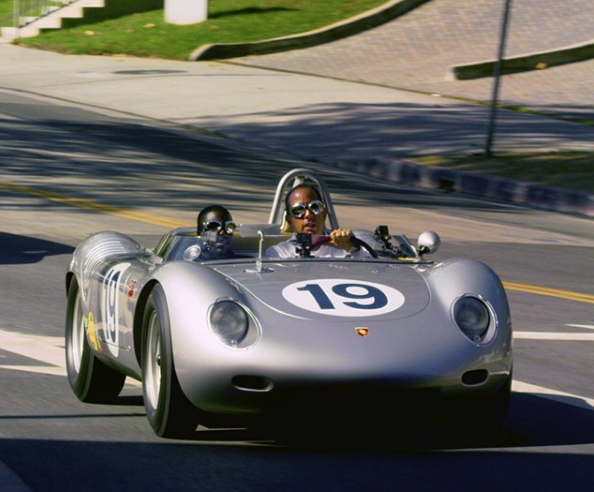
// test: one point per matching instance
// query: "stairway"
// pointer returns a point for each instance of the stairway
(52, 19)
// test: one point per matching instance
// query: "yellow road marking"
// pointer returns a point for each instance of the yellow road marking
(92, 205)
(546, 291)
(171, 223)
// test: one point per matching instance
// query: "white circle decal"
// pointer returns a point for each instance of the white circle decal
(343, 297)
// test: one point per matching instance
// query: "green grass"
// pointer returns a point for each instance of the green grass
(138, 28)
(565, 169)
(7, 11)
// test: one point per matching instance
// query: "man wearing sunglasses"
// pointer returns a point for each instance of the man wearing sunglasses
(215, 227)
(306, 212)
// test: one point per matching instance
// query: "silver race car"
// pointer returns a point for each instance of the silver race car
(243, 334)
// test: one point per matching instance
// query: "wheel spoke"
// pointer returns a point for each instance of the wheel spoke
(153, 352)
(78, 334)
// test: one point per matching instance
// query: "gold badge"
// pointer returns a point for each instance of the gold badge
(92, 332)
(362, 332)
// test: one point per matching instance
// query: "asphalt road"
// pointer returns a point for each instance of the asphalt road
(61, 165)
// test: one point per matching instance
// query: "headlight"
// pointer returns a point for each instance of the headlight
(473, 318)
(229, 321)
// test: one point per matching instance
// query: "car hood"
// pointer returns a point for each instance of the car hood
(320, 289)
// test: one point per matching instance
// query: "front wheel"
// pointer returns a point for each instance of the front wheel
(90, 379)
(169, 411)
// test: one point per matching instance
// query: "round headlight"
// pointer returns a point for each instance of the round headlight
(229, 321)
(472, 316)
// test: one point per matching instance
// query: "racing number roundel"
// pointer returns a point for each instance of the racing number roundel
(343, 297)
(110, 308)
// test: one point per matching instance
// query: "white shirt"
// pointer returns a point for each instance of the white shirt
(287, 249)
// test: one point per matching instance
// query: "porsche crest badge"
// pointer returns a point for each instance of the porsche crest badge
(362, 332)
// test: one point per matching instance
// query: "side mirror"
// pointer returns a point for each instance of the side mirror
(428, 243)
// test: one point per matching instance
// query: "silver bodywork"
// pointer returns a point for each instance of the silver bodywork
(383, 326)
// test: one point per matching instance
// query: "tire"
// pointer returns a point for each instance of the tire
(169, 412)
(90, 379)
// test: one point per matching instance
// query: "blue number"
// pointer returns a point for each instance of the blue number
(319, 295)
(379, 298)
(342, 290)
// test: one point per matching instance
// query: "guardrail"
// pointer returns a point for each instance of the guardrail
(27, 11)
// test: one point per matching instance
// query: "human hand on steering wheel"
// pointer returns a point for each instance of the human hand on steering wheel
(341, 238)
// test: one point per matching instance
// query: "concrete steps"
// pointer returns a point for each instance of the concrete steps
(52, 19)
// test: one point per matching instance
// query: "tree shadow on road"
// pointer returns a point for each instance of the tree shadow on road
(175, 170)
(19, 250)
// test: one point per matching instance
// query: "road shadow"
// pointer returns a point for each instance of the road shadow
(246, 175)
(20, 250)
(356, 131)
(532, 421)
(249, 10)
(545, 445)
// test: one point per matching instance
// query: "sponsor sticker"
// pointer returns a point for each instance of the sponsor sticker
(92, 331)
(344, 297)
(131, 289)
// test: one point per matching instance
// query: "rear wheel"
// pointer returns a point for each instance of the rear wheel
(169, 411)
(90, 379)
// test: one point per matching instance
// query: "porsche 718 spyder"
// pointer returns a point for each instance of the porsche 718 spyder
(251, 335)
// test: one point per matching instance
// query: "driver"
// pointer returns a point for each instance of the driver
(306, 212)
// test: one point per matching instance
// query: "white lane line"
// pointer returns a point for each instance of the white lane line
(541, 335)
(46, 370)
(551, 394)
(588, 327)
(49, 350)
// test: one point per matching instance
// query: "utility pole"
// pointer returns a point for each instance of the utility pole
(16, 14)
(497, 77)
(186, 11)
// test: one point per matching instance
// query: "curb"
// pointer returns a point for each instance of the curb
(524, 63)
(487, 186)
(362, 22)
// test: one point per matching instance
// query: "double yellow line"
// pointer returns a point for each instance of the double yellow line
(171, 223)
(545, 291)
(91, 205)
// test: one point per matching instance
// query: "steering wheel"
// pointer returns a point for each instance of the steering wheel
(355, 240)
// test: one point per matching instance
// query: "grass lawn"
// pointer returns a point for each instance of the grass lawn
(33, 9)
(138, 27)
(569, 169)
(6, 8)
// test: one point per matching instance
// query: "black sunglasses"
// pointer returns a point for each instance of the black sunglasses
(218, 226)
(316, 207)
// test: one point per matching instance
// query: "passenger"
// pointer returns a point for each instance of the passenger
(306, 212)
(215, 227)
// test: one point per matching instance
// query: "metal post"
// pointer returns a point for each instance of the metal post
(497, 77)
(16, 14)
(183, 12)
